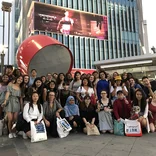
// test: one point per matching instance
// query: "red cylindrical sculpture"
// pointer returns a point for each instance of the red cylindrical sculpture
(45, 54)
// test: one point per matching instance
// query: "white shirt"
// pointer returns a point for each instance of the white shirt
(117, 89)
(32, 113)
(83, 91)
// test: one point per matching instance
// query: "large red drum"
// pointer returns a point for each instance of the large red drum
(45, 54)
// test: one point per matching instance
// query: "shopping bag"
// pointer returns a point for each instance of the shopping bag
(118, 128)
(92, 131)
(38, 132)
(132, 128)
(63, 127)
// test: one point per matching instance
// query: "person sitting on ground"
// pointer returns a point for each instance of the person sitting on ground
(33, 111)
(52, 110)
(105, 109)
(121, 107)
(72, 113)
(87, 113)
(140, 100)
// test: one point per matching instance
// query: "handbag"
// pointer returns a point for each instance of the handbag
(92, 131)
(118, 128)
(132, 128)
(63, 127)
(38, 132)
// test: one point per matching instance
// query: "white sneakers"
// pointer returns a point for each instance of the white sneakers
(24, 136)
(12, 135)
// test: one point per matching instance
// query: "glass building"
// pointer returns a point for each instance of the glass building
(125, 34)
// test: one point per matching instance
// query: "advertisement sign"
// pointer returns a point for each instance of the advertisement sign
(31, 21)
(70, 22)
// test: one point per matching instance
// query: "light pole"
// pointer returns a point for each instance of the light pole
(6, 7)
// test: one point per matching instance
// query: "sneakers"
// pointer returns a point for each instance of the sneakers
(10, 136)
(24, 136)
(14, 135)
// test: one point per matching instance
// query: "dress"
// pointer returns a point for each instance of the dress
(152, 116)
(105, 118)
(13, 104)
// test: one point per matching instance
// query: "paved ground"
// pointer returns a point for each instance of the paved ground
(81, 145)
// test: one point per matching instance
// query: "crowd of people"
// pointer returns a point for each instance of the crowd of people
(83, 99)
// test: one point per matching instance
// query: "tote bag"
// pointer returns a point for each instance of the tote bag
(38, 132)
(63, 127)
(118, 128)
(132, 128)
(92, 131)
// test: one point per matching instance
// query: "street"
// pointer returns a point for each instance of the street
(81, 145)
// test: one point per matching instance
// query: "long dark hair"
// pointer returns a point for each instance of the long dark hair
(143, 100)
(17, 78)
(2, 80)
(40, 89)
(83, 105)
(89, 83)
(38, 103)
(58, 80)
(77, 72)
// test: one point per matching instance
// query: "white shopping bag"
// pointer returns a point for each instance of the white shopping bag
(132, 128)
(38, 132)
(63, 127)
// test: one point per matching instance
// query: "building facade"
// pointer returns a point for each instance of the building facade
(125, 34)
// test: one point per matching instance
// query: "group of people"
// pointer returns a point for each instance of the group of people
(83, 99)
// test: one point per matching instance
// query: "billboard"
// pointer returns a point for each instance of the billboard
(70, 22)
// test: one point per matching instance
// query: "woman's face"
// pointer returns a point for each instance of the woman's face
(125, 76)
(102, 75)
(115, 74)
(103, 94)
(52, 85)
(43, 79)
(138, 95)
(51, 96)
(78, 76)
(38, 83)
(91, 78)
(26, 79)
(19, 80)
(61, 77)
(118, 82)
(71, 101)
(66, 87)
(5, 78)
(85, 82)
(87, 100)
(35, 97)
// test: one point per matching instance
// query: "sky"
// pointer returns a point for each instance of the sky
(149, 12)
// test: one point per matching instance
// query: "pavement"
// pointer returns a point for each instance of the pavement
(81, 145)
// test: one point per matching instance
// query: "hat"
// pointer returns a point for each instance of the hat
(118, 78)
(119, 92)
